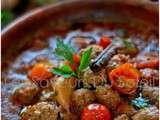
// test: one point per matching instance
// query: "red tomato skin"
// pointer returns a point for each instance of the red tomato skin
(104, 41)
(73, 67)
(124, 70)
(39, 72)
(95, 112)
(76, 59)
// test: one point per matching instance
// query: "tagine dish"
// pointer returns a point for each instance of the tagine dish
(91, 73)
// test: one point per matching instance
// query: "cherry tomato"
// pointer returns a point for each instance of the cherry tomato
(76, 59)
(104, 41)
(95, 112)
(124, 78)
(40, 72)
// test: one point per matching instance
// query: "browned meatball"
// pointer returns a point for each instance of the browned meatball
(107, 96)
(122, 117)
(150, 113)
(96, 50)
(40, 111)
(90, 78)
(81, 98)
(152, 93)
(150, 76)
(126, 108)
(25, 94)
(117, 60)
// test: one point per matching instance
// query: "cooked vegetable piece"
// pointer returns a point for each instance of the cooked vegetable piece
(125, 78)
(63, 90)
(40, 72)
(96, 112)
(104, 41)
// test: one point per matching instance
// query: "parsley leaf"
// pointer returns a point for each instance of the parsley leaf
(64, 51)
(140, 102)
(63, 72)
(85, 60)
(6, 17)
(128, 44)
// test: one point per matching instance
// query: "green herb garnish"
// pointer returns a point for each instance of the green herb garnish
(85, 60)
(140, 102)
(6, 17)
(66, 52)
(128, 44)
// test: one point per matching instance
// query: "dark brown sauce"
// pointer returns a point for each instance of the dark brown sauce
(17, 72)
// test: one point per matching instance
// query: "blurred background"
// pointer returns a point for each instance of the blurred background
(11, 9)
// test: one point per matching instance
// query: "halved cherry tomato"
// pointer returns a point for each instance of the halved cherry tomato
(40, 72)
(104, 41)
(95, 112)
(124, 78)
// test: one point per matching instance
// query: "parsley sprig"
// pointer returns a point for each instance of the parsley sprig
(66, 52)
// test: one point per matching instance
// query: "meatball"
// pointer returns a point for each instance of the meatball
(96, 50)
(150, 113)
(105, 95)
(40, 111)
(152, 93)
(126, 108)
(150, 76)
(25, 94)
(122, 117)
(81, 98)
(117, 60)
(92, 79)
